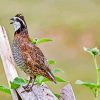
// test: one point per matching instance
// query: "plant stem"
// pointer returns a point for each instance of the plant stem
(97, 72)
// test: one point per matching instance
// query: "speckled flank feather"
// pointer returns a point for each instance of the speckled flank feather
(29, 57)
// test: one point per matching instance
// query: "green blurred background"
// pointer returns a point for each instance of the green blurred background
(72, 24)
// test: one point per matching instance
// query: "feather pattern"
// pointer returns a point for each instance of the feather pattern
(29, 57)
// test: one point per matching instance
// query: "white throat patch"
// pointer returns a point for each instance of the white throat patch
(16, 25)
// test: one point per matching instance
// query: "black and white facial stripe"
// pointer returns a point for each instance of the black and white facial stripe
(19, 24)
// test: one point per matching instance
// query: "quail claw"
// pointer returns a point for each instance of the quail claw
(27, 89)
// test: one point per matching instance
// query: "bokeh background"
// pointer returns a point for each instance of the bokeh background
(72, 24)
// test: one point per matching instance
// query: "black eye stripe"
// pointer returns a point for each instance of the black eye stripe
(22, 21)
(18, 20)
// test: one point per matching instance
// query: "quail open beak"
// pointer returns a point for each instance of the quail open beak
(12, 20)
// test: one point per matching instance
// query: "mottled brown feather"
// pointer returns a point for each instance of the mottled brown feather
(33, 57)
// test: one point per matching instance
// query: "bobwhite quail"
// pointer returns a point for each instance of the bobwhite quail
(28, 56)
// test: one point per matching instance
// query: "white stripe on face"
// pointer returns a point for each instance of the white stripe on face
(16, 25)
(20, 20)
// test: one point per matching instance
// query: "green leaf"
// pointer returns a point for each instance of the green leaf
(39, 79)
(91, 85)
(34, 41)
(5, 89)
(56, 70)
(14, 86)
(98, 69)
(45, 79)
(57, 95)
(51, 62)
(38, 41)
(58, 79)
(42, 40)
(94, 51)
(18, 81)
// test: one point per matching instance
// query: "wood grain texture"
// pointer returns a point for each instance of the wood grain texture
(7, 59)
(38, 93)
(67, 93)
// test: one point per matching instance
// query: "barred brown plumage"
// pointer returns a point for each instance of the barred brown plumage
(27, 55)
